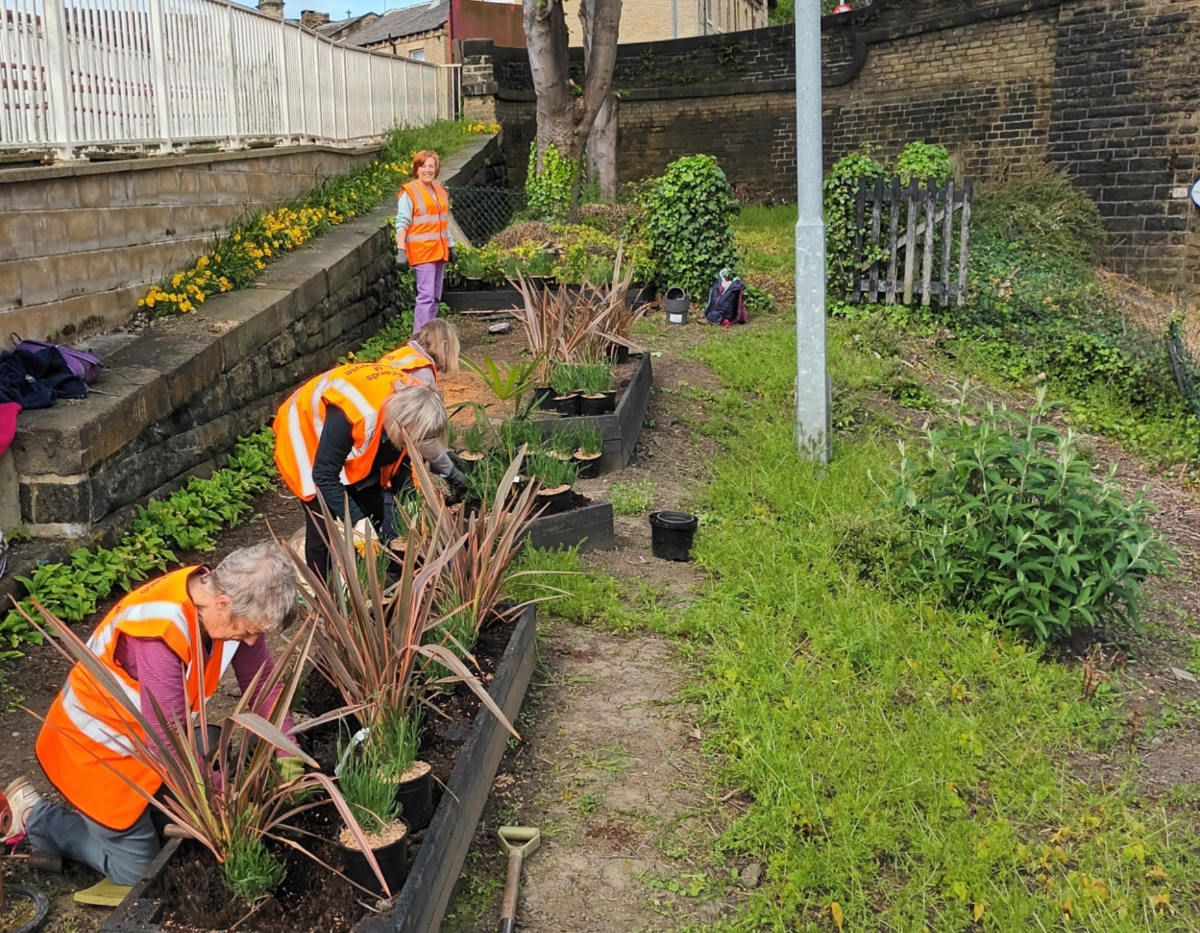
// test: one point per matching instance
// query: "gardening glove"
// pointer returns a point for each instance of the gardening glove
(457, 481)
(401, 260)
(454, 254)
(289, 768)
(456, 460)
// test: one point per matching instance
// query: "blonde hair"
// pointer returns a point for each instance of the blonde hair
(439, 340)
(424, 156)
(417, 410)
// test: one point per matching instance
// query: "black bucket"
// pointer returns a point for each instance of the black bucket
(675, 304)
(393, 865)
(672, 534)
(416, 800)
(618, 353)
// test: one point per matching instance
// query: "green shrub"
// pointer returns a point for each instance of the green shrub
(924, 162)
(841, 193)
(689, 213)
(632, 498)
(1040, 203)
(548, 192)
(1008, 518)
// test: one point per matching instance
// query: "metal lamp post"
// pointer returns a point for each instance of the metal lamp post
(813, 428)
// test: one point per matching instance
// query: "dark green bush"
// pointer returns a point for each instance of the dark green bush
(1008, 518)
(689, 212)
(841, 193)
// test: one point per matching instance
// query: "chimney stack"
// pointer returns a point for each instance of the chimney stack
(271, 8)
(311, 19)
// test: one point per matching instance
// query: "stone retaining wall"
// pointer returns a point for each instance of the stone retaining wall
(180, 394)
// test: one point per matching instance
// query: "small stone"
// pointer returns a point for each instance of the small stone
(1181, 674)
(502, 328)
(750, 877)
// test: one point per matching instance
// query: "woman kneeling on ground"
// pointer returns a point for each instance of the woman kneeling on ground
(432, 352)
(156, 639)
(341, 435)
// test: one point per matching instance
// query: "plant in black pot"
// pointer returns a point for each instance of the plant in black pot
(367, 783)
(596, 385)
(562, 444)
(565, 381)
(557, 478)
(472, 442)
(587, 454)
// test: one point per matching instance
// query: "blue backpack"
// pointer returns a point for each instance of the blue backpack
(726, 303)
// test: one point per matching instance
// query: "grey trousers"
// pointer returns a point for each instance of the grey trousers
(122, 857)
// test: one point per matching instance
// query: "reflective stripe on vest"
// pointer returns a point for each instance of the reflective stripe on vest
(359, 390)
(87, 741)
(428, 236)
(406, 360)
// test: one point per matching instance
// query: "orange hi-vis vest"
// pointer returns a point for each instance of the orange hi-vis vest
(359, 390)
(85, 745)
(428, 236)
(407, 360)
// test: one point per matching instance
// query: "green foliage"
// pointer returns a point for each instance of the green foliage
(758, 301)
(924, 162)
(1009, 519)
(250, 871)
(563, 443)
(593, 378)
(369, 789)
(548, 191)
(590, 440)
(840, 196)
(395, 741)
(552, 471)
(785, 11)
(632, 498)
(1039, 204)
(564, 378)
(518, 431)
(506, 384)
(689, 213)
(188, 519)
(474, 438)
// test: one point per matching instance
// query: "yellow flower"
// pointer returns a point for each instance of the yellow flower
(201, 262)
(178, 278)
(149, 301)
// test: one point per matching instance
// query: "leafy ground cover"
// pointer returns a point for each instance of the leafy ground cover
(906, 766)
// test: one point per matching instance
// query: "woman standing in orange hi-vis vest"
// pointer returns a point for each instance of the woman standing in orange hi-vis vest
(433, 351)
(341, 435)
(423, 238)
(166, 642)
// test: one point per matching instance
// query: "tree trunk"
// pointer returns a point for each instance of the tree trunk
(564, 117)
(602, 142)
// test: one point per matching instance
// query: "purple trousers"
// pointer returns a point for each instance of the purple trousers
(429, 292)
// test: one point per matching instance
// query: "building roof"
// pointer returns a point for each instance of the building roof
(339, 26)
(409, 21)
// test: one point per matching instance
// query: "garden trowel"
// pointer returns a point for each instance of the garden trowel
(518, 842)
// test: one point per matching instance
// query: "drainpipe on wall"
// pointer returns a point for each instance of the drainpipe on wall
(675, 17)
(813, 435)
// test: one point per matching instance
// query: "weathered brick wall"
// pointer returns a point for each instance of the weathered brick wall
(1124, 123)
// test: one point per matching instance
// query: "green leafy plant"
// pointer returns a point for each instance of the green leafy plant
(369, 787)
(632, 498)
(395, 741)
(251, 872)
(508, 385)
(688, 224)
(565, 379)
(517, 433)
(474, 438)
(548, 188)
(924, 162)
(840, 191)
(1008, 518)
(563, 443)
(590, 440)
(593, 378)
(551, 471)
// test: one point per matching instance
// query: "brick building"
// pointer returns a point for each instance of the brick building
(655, 20)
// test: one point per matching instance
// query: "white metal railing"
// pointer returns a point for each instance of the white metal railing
(78, 74)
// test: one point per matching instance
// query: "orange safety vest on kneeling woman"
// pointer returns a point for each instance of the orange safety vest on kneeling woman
(85, 745)
(428, 236)
(407, 360)
(359, 390)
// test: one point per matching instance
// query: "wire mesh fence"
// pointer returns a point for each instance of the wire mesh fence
(483, 212)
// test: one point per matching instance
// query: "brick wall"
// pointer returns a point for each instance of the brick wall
(435, 45)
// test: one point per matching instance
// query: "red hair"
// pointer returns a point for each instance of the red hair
(424, 156)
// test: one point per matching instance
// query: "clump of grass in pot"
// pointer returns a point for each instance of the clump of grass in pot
(553, 473)
(565, 379)
(517, 432)
(590, 442)
(473, 439)
(593, 378)
(396, 740)
(369, 789)
(563, 443)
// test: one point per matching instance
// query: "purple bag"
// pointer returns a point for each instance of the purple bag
(83, 363)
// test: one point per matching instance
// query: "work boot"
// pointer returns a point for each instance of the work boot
(21, 799)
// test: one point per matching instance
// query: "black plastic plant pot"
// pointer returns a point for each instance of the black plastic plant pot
(556, 502)
(545, 397)
(416, 800)
(592, 405)
(393, 864)
(672, 534)
(473, 284)
(610, 401)
(618, 353)
(567, 405)
(589, 466)
(470, 460)
(18, 896)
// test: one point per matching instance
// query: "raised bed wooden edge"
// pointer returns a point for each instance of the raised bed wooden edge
(423, 900)
(620, 428)
(590, 526)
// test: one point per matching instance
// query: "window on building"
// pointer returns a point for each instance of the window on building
(417, 55)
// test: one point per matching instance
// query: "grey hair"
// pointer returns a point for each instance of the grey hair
(417, 410)
(260, 582)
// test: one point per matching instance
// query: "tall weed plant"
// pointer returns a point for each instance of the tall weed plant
(1009, 519)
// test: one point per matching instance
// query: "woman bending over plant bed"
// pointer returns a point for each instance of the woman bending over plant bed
(433, 351)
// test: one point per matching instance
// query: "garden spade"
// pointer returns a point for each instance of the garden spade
(518, 842)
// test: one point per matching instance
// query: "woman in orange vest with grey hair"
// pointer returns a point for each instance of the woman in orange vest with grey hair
(341, 434)
(166, 642)
(423, 238)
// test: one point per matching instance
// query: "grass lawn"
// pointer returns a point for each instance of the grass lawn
(909, 767)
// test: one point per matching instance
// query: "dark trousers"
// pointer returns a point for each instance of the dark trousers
(369, 499)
